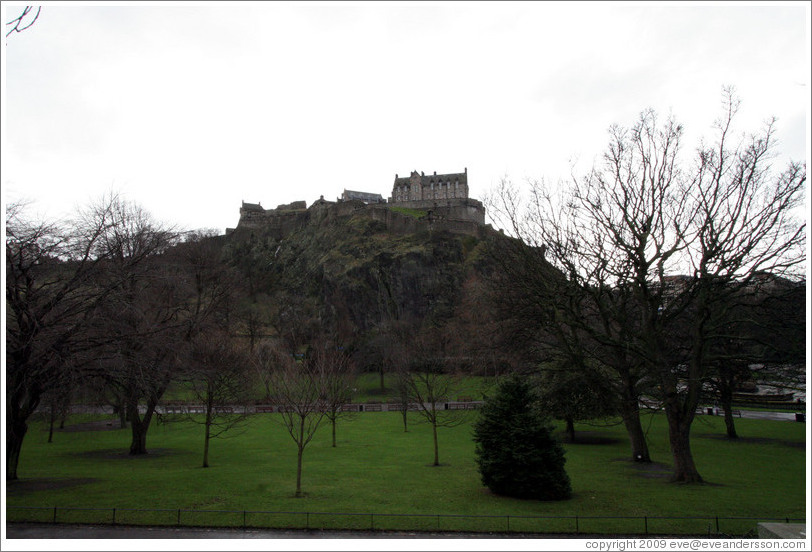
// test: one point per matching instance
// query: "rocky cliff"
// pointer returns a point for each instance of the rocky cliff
(355, 277)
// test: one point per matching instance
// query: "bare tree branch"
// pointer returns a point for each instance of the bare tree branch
(18, 22)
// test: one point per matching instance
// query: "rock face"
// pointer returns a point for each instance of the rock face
(361, 273)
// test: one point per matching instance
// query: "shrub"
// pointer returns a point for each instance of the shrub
(516, 452)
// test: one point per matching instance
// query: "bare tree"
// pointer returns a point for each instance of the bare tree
(338, 377)
(401, 387)
(140, 323)
(58, 402)
(575, 393)
(299, 391)
(742, 226)
(217, 375)
(430, 387)
(669, 244)
(24, 20)
(394, 357)
(52, 292)
(551, 311)
(760, 339)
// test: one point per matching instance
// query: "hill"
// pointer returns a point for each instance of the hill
(365, 282)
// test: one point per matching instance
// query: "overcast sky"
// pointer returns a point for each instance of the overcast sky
(188, 109)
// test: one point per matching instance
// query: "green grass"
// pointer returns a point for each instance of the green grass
(379, 469)
(416, 213)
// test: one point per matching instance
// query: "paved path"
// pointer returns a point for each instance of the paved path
(759, 415)
(46, 531)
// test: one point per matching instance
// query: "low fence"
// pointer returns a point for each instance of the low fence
(181, 408)
(771, 405)
(258, 519)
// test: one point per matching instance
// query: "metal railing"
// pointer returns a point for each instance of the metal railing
(255, 519)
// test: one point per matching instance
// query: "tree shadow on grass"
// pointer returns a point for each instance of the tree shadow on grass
(657, 470)
(754, 440)
(98, 425)
(20, 487)
(588, 438)
(122, 454)
(648, 470)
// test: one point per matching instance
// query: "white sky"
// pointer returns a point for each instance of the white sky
(190, 108)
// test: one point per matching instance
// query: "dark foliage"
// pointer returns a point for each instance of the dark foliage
(515, 448)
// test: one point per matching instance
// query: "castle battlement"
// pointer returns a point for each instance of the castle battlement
(443, 199)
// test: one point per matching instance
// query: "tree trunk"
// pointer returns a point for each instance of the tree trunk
(207, 433)
(18, 409)
(333, 423)
(14, 443)
(730, 425)
(570, 429)
(679, 437)
(404, 412)
(139, 429)
(382, 383)
(299, 472)
(436, 448)
(139, 438)
(630, 413)
(51, 422)
(726, 400)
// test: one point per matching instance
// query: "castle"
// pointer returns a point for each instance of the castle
(418, 203)
(422, 189)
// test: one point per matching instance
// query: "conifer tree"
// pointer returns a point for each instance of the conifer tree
(516, 451)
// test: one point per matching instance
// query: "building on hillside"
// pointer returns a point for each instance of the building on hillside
(419, 187)
(436, 202)
(442, 196)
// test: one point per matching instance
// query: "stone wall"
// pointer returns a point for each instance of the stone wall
(459, 216)
(278, 223)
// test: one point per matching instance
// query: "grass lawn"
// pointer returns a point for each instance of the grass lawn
(378, 469)
(416, 213)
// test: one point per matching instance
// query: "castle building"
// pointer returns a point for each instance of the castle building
(418, 187)
(440, 200)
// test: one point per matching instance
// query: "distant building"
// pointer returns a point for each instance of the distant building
(438, 202)
(419, 187)
(251, 207)
(366, 197)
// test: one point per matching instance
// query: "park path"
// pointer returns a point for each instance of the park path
(45, 531)
(761, 415)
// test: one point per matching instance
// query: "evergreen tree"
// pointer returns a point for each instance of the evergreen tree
(515, 448)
